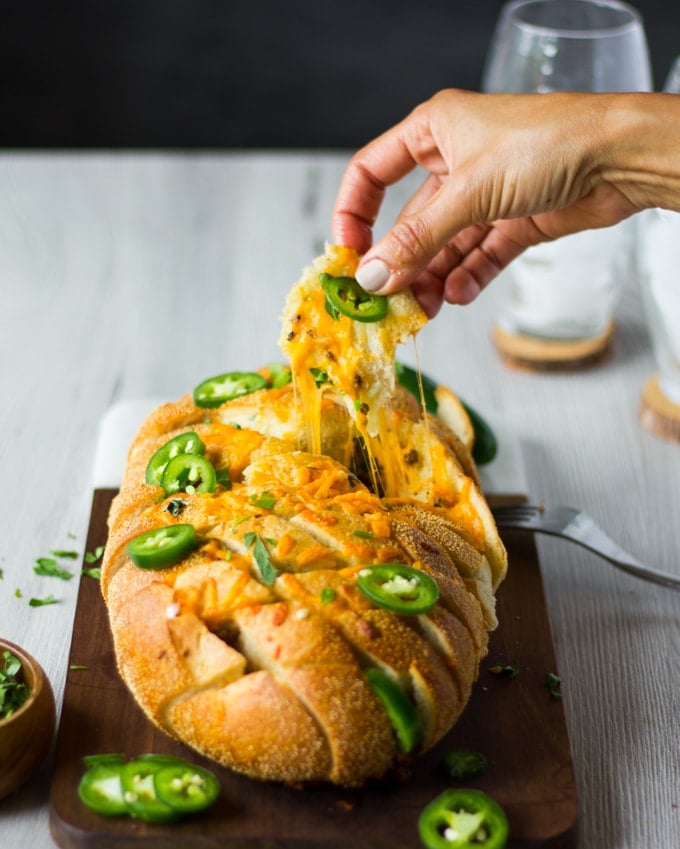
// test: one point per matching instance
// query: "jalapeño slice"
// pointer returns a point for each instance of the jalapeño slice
(399, 588)
(463, 819)
(400, 710)
(344, 295)
(188, 473)
(162, 547)
(139, 792)
(101, 789)
(153, 787)
(185, 787)
(225, 387)
(184, 443)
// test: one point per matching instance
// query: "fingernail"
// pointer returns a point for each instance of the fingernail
(373, 275)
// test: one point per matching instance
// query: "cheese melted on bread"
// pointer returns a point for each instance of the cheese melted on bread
(408, 453)
(254, 648)
(358, 357)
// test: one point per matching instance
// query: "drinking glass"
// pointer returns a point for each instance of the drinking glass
(559, 298)
(658, 264)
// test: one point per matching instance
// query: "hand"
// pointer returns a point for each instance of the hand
(505, 172)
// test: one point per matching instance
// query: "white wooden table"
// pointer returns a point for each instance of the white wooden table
(135, 275)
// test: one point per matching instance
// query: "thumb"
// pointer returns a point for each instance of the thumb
(396, 260)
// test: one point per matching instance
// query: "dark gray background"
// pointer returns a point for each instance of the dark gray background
(254, 73)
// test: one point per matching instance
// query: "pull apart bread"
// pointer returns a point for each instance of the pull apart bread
(328, 617)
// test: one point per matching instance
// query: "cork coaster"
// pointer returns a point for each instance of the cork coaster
(538, 354)
(658, 414)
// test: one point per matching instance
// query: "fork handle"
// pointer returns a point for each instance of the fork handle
(623, 561)
(644, 572)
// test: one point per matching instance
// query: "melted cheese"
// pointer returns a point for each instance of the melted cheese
(358, 358)
(408, 456)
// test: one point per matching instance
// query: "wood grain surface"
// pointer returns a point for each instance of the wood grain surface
(515, 722)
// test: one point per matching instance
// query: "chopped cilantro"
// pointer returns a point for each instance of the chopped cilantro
(93, 556)
(49, 567)
(223, 478)
(41, 602)
(67, 555)
(320, 376)
(264, 499)
(553, 683)
(76, 667)
(92, 572)
(327, 595)
(18, 593)
(268, 572)
(13, 689)
(238, 521)
(175, 506)
(507, 670)
(362, 534)
(465, 763)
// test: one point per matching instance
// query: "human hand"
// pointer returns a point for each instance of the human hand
(505, 172)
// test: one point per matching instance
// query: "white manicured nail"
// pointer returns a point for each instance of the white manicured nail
(373, 275)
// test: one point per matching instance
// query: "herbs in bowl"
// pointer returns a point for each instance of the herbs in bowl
(13, 689)
(27, 716)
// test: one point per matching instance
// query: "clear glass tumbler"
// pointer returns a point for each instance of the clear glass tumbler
(560, 297)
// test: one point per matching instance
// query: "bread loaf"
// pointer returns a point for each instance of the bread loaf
(261, 646)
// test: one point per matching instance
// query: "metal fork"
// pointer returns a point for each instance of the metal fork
(580, 528)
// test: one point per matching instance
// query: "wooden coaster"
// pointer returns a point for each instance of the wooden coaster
(658, 414)
(536, 354)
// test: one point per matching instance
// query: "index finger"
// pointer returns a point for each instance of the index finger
(379, 164)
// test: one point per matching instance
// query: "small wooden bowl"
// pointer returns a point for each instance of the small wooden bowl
(25, 736)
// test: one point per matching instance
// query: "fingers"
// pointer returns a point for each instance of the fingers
(429, 292)
(481, 263)
(469, 262)
(356, 207)
(381, 163)
(417, 237)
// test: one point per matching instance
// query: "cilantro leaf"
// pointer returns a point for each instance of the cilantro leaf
(49, 567)
(506, 670)
(93, 556)
(41, 602)
(67, 555)
(268, 572)
(264, 499)
(553, 683)
(13, 689)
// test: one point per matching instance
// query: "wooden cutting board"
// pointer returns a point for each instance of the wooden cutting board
(515, 722)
